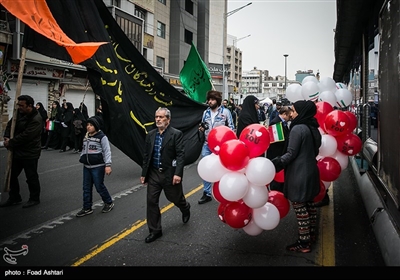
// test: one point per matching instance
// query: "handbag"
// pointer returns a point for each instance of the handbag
(49, 125)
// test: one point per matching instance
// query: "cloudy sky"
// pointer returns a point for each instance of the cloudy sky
(300, 28)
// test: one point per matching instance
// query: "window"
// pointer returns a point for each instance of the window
(116, 3)
(160, 29)
(188, 37)
(140, 13)
(160, 62)
(131, 29)
(163, 2)
(189, 6)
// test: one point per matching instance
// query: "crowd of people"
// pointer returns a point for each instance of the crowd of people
(163, 159)
(65, 126)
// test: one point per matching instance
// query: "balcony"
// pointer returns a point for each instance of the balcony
(5, 34)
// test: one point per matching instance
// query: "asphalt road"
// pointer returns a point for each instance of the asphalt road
(104, 244)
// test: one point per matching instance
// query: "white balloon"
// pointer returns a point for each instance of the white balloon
(293, 93)
(327, 84)
(319, 157)
(252, 229)
(343, 159)
(343, 97)
(260, 171)
(266, 217)
(321, 131)
(233, 186)
(210, 168)
(310, 79)
(328, 145)
(328, 96)
(256, 196)
(326, 184)
(310, 91)
(340, 85)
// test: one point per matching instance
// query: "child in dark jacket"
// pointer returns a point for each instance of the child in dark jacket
(96, 159)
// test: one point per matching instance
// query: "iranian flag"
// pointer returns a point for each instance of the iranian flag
(276, 133)
(49, 125)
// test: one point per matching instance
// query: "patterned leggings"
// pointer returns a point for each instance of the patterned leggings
(306, 214)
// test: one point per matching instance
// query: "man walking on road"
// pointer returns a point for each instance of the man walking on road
(215, 115)
(162, 169)
(26, 149)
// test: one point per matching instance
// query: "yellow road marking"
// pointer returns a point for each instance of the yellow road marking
(117, 237)
(326, 244)
(326, 239)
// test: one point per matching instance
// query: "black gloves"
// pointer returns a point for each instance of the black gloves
(277, 163)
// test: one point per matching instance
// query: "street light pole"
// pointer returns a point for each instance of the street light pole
(237, 40)
(237, 85)
(224, 78)
(285, 55)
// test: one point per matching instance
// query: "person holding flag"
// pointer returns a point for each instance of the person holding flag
(278, 148)
(302, 178)
(26, 147)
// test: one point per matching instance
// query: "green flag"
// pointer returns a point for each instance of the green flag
(195, 77)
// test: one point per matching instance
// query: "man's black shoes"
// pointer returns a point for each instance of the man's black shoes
(204, 199)
(30, 203)
(153, 236)
(10, 202)
(186, 215)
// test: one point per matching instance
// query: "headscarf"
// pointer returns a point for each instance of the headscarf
(306, 111)
(84, 110)
(248, 114)
(42, 111)
(79, 115)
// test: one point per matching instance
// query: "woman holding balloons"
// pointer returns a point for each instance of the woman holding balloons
(302, 177)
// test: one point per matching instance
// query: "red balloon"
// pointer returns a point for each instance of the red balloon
(353, 121)
(349, 144)
(280, 176)
(238, 214)
(337, 123)
(256, 138)
(219, 135)
(280, 201)
(329, 169)
(217, 194)
(221, 211)
(323, 109)
(321, 194)
(234, 155)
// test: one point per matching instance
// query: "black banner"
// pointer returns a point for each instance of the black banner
(130, 88)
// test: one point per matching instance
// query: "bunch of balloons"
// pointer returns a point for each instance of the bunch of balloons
(336, 126)
(336, 94)
(240, 175)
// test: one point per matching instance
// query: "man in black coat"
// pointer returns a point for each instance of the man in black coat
(162, 169)
(26, 148)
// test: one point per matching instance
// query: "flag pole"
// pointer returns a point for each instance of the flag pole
(14, 119)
